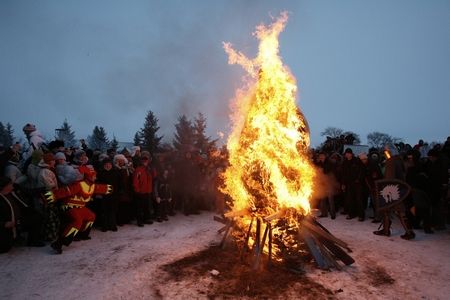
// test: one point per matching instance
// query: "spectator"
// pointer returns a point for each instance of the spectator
(353, 178)
(109, 203)
(163, 196)
(143, 185)
(35, 139)
(46, 182)
(65, 173)
(124, 189)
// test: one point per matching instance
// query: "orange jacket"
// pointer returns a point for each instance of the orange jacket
(143, 180)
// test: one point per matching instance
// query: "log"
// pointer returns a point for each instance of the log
(304, 235)
(324, 234)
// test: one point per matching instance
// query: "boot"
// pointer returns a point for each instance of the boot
(385, 227)
(57, 246)
(84, 235)
(409, 235)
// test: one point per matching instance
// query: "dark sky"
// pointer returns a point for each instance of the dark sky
(360, 65)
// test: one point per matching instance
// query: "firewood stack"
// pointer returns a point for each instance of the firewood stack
(277, 238)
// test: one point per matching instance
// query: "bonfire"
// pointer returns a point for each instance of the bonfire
(270, 177)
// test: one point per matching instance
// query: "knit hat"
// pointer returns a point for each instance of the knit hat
(60, 155)
(348, 150)
(78, 155)
(48, 157)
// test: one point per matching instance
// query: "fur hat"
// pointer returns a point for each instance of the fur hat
(60, 155)
(120, 157)
(29, 127)
(134, 149)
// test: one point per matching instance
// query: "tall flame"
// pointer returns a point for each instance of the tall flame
(269, 169)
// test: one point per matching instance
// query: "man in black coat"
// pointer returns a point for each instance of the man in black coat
(352, 184)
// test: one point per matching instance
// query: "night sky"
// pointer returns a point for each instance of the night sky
(360, 65)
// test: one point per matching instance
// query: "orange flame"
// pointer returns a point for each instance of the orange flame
(269, 169)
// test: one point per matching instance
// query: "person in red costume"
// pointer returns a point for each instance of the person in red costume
(74, 199)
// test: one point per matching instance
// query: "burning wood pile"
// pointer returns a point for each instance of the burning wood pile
(270, 177)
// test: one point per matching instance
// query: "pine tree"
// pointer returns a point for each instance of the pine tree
(9, 135)
(137, 139)
(184, 136)
(149, 139)
(66, 134)
(6, 135)
(98, 139)
(114, 143)
(203, 143)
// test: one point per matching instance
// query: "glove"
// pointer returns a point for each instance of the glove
(109, 189)
(158, 200)
(49, 197)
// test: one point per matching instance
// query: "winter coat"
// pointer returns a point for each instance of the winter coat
(67, 174)
(162, 188)
(46, 178)
(14, 173)
(33, 174)
(352, 172)
(143, 180)
(35, 140)
(110, 177)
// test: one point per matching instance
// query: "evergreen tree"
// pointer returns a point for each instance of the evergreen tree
(201, 141)
(6, 135)
(149, 139)
(98, 139)
(114, 143)
(184, 136)
(137, 139)
(9, 135)
(66, 134)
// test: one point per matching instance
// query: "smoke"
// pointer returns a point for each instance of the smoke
(325, 185)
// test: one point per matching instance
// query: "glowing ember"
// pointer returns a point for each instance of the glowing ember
(269, 169)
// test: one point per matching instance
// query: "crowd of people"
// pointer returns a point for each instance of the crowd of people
(52, 194)
(56, 194)
(351, 188)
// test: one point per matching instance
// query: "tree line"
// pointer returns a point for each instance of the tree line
(190, 135)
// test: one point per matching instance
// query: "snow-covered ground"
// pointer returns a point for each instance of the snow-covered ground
(126, 264)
